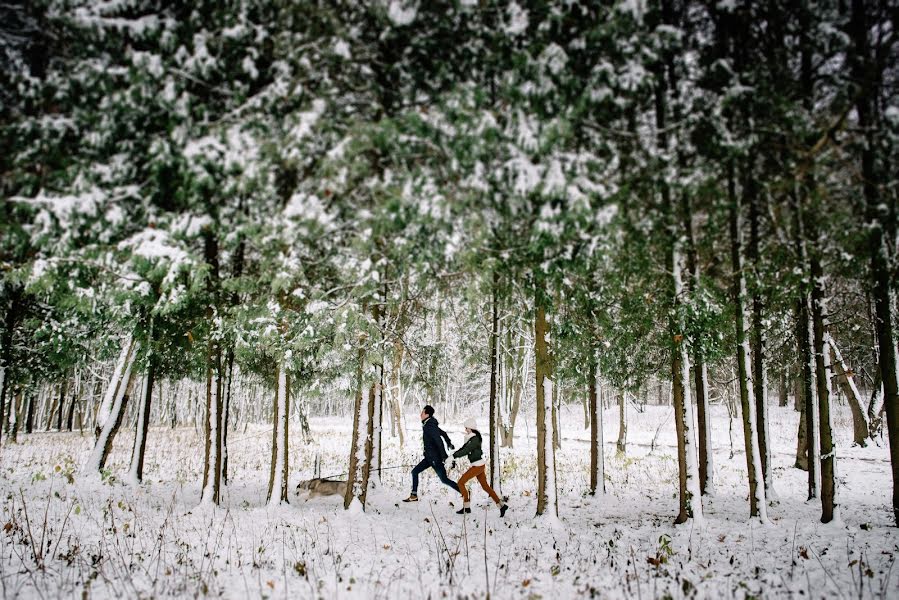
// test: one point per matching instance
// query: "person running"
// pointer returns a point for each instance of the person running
(435, 453)
(472, 449)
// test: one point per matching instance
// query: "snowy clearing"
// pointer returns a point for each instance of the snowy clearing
(66, 537)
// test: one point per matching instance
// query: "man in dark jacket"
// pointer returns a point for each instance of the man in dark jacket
(435, 453)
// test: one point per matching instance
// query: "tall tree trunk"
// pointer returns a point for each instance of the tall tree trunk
(700, 374)
(212, 427)
(360, 457)
(597, 460)
(14, 410)
(97, 459)
(757, 337)
(829, 500)
(853, 396)
(136, 471)
(229, 379)
(547, 501)
(690, 506)
(77, 390)
(802, 437)
(117, 383)
(621, 444)
(804, 337)
(63, 385)
(396, 391)
(212, 464)
(557, 442)
(377, 399)
(704, 425)
(120, 392)
(494, 359)
(279, 474)
(11, 316)
(881, 224)
(29, 413)
(783, 391)
(757, 501)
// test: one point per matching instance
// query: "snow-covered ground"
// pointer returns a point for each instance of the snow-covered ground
(66, 536)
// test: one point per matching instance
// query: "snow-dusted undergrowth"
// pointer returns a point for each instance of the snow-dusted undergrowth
(62, 535)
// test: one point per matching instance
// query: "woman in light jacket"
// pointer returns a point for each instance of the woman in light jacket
(472, 449)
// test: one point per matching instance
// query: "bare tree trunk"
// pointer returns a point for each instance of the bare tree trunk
(853, 397)
(802, 440)
(866, 73)
(829, 494)
(757, 501)
(279, 473)
(229, 378)
(118, 391)
(704, 425)
(546, 490)
(597, 460)
(136, 472)
(360, 455)
(783, 392)
(76, 396)
(494, 360)
(621, 444)
(103, 446)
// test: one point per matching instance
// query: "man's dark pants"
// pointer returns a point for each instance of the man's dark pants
(438, 467)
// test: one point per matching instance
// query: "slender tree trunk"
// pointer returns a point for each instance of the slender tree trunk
(757, 337)
(853, 397)
(229, 379)
(76, 396)
(120, 392)
(279, 474)
(700, 375)
(103, 445)
(783, 391)
(29, 413)
(597, 460)
(15, 405)
(757, 501)
(802, 439)
(494, 359)
(690, 506)
(396, 395)
(829, 502)
(357, 482)
(136, 472)
(621, 444)
(116, 385)
(546, 490)
(804, 337)
(212, 467)
(557, 443)
(704, 425)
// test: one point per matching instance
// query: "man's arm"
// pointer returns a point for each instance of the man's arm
(446, 436)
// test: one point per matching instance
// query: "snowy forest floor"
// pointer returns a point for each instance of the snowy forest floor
(83, 538)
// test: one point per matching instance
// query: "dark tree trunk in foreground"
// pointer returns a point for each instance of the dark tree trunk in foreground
(881, 225)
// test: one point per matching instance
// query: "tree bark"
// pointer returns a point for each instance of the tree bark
(853, 396)
(547, 502)
(757, 338)
(360, 456)
(279, 473)
(597, 460)
(757, 501)
(881, 227)
(621, 444)
(829, 501)
(136, 472)
(494, 359)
